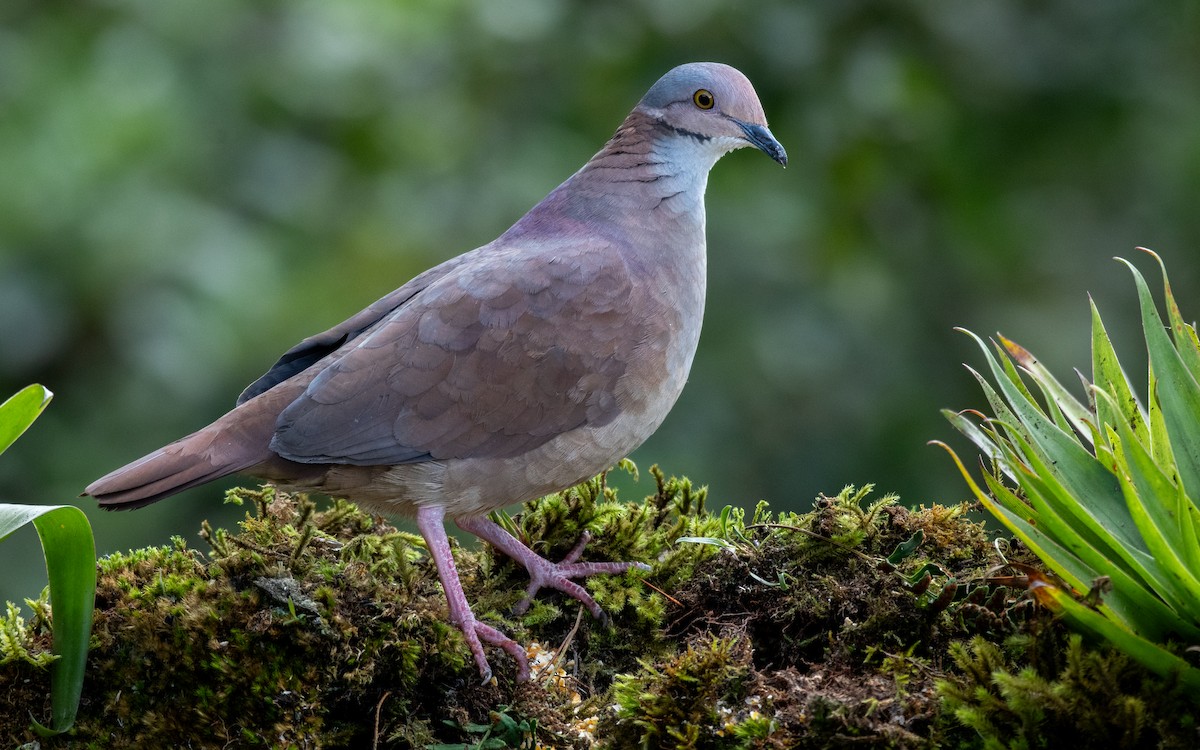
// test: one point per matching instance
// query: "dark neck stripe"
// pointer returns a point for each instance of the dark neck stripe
(700, 137)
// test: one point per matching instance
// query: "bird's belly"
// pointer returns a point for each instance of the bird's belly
(480, 485)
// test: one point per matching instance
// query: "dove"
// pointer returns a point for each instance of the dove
(512, 371)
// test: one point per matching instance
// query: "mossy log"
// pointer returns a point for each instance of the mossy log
(861, 623)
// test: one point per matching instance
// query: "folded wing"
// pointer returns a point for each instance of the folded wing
(491, 359)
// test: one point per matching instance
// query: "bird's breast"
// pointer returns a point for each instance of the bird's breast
(656, 350)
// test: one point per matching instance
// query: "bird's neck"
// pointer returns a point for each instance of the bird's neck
(648, 158)
(648, 177)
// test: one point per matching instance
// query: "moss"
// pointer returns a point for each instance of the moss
(17, 641)
(234, 648)
(691, 700)
(1048, 689)
(838, 647)
(644, 532)
(323, 626)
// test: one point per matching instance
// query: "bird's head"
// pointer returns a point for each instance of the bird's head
(713, 104)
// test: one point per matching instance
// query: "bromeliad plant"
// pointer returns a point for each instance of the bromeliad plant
(1104, 492)
(71, 569)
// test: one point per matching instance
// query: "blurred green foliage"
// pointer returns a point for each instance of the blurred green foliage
(188, 188)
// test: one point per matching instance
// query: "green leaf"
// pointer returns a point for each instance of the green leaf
(1023, 521)
(1145, 489)
(1061, 455)
(1160, 442)
(711, 541)
(982, 440)
(1154, 657)
(1005, 418)
(19, 411)
(1080, 564)
(1183, 333)
(71, 567)
(1108, 375)
(1068, 410)
(70, 554)
(906, 548)
(1177, 389)
(1106, 489)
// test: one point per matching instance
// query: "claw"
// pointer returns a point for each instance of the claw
(542, 572)
(498, 638)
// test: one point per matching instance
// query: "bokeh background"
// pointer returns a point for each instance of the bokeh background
(188, 188)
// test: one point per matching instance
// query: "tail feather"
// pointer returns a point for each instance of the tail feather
(237, 441)
(167, 471)
(153, 477)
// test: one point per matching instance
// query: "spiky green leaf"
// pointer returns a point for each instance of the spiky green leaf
(1176, 389)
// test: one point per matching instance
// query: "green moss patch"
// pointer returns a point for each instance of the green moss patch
(861, 623)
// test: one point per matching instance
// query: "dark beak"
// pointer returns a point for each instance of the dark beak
(762, 138)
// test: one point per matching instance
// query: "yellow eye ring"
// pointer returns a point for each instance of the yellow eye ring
(703, 99)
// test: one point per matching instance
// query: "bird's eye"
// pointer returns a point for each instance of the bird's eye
(703, 99)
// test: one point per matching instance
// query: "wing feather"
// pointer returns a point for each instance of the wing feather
(491, 359)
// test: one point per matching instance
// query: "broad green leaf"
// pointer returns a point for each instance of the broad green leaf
(19, 411)
(1160, 442)
(1189, 522)
(1044, 529)
(1107, 488)
(71, 567)
(1090, 542)
(1043, 507)
(1129, 602)
(1081, 565)
(1164, 514)
(1145, 488)
(1041, 480)
(1154, 490)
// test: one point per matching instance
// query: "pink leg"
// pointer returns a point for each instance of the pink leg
(542, 572)
(429, 522)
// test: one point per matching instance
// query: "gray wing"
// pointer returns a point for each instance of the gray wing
(492, 359)
(315, 348)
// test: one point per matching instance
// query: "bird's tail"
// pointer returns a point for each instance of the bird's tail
(236, 441)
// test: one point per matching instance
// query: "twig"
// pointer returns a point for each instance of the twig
(674, 601)
(378, 711)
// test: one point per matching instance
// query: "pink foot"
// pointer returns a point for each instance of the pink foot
(429, 522)
(542, 572)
